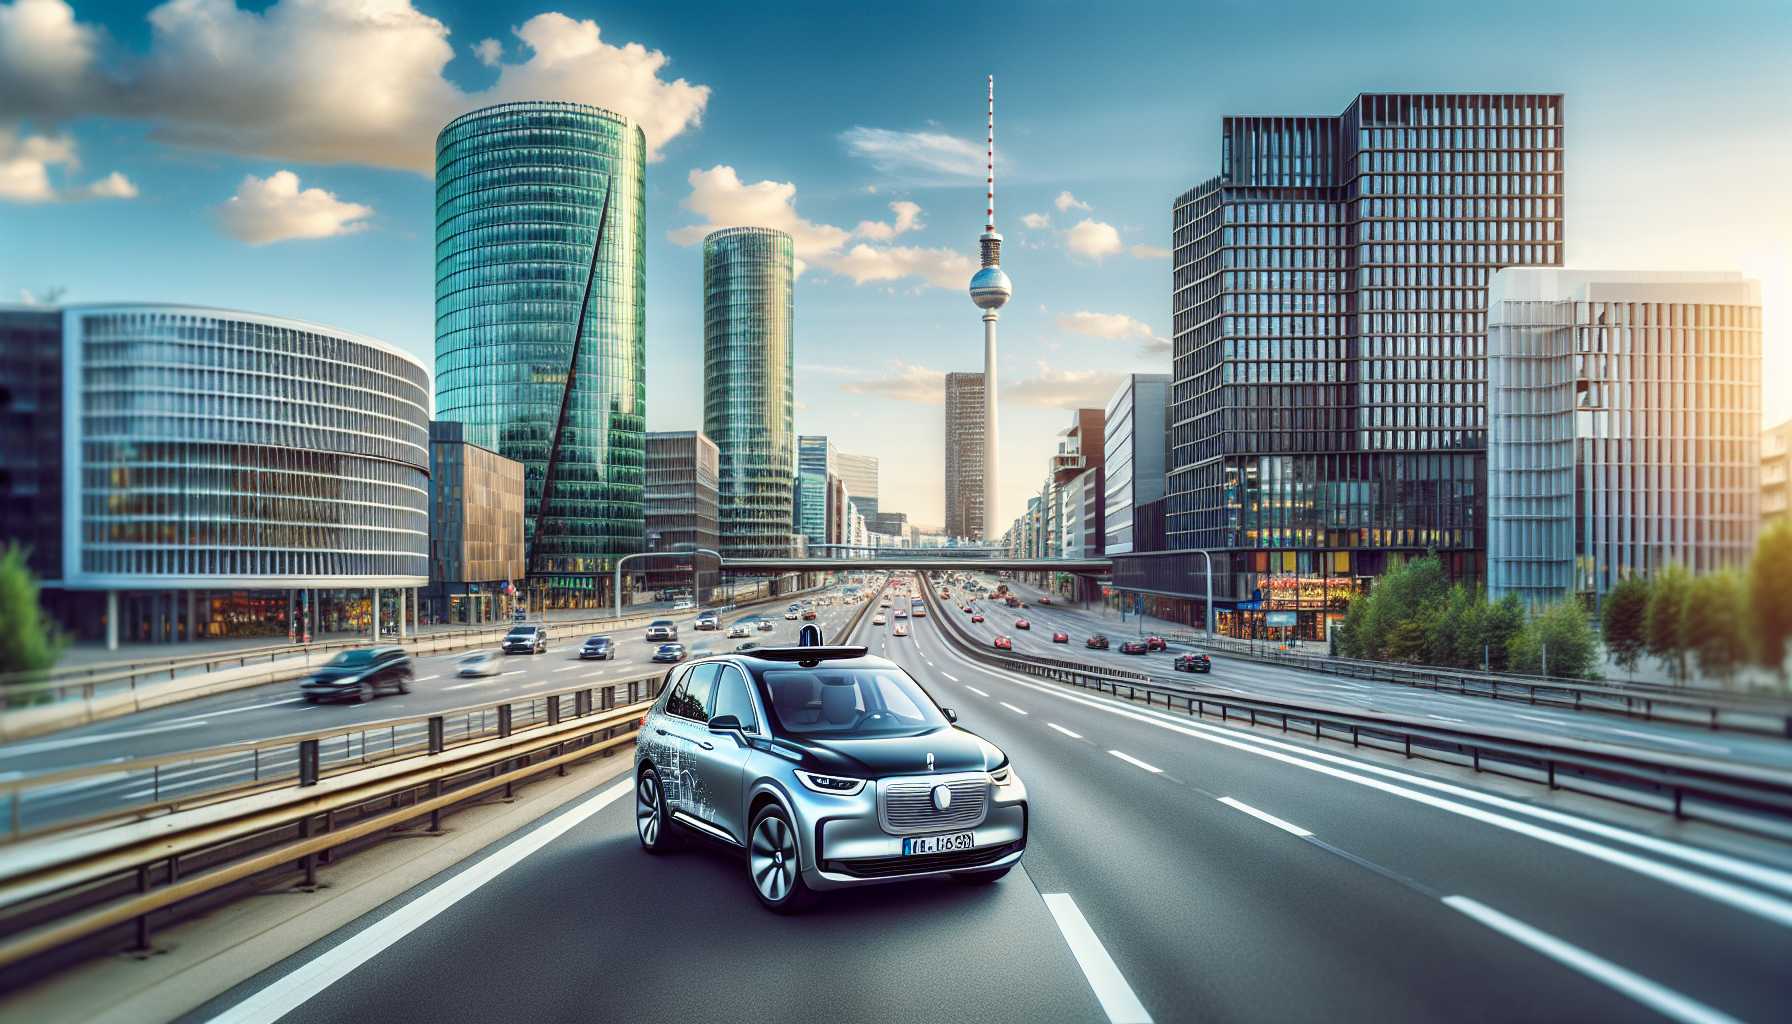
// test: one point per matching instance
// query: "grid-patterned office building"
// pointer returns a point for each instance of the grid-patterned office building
(1328, 405)
(815, 462)
(965, 426)
(859, 472)
(748, 385)
(1624, 418)
(682, 476)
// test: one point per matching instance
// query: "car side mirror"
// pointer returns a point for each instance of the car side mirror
(951, 715)
(725, 723)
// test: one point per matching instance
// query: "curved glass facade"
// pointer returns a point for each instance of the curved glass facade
(216, 448)
(748, 357)
(541, 323)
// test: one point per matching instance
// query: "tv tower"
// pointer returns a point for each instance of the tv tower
(990, 290)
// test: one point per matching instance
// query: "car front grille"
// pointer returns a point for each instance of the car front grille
(906, 805)
(885, 867)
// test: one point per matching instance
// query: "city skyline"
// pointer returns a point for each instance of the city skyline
(861, 158)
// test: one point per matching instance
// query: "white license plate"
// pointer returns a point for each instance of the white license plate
(939, 844)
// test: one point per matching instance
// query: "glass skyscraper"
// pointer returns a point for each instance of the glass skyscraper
(1624, 427)
(1329, 308)
(541, 323)
(815, 463)
(748, 398)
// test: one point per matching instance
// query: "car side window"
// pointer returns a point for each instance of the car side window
(732, 699)
(692, 698)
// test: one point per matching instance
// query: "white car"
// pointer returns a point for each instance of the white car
(736, 631)
(790, 616)
(479, 663)
(901, 630)
(902, 613)
(878, 619)
(684, 605)
(766, 625)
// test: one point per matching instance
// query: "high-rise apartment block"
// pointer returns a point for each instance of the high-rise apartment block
(1776, 471)
(1329, 296)
(1624, 413)
(964, 455)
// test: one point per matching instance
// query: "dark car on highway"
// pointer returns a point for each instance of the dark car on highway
(669, 652)
(1098, 642)
(600, 647)
(526, 640)
(1134, 647)
(360, 675)
(1193, 663)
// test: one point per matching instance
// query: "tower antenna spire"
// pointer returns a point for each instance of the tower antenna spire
(989, 222)
(990, 290)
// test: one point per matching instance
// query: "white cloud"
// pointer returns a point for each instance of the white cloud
(25, 171)
(724, 201)
(320, 80)
(1067, 202)
(1092, 239)
(1149, 252)
(488, 52)
(926, 156)
(1036, 221)
(275, 209)
(1114, 326)
(903, 382)
(908, 218)
(1064, 389)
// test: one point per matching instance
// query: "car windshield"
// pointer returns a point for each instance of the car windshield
(848, 702)
(350, 659)
(660, 622)
(523, 631)
(598, 640)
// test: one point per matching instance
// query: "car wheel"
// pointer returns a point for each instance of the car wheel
(774, 863)
(652, 824)
(364, 693)
(404, 684)
(981, 877)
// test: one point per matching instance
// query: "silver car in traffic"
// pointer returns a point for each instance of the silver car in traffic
(829, 768)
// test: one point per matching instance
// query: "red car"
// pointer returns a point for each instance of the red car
(809, 616)
(1022, 624)
(1047, 599)
(976, 618)
(1060, 637)
(967, 609)
(1155, 643)
(1004, 644)
(1096, 643)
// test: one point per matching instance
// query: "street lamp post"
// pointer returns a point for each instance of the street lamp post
(691, 553)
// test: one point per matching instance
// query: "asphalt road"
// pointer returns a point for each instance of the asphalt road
(277, 710)
(1270, 682)
(1176, 870)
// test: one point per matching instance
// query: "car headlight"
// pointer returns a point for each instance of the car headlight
(832, 785)
(1002, 776)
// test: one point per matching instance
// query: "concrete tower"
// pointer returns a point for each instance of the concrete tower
(990, 290)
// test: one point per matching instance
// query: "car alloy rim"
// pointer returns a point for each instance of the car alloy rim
(773, 858)
(647, 809)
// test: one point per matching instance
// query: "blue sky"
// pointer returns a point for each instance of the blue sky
(121, 149)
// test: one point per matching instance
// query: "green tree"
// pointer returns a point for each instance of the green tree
(1402, 595)
(1558, 639)
(1770, 595)
(1444, 634)
(1499, 624)
(1626, 621)
(1667, 605)
(1350, 631)
(28, 640)
(1712, 626)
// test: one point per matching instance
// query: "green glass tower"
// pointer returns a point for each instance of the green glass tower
(541, 323)
(748, 364)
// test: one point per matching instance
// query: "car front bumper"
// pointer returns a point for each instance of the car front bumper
(848, 845)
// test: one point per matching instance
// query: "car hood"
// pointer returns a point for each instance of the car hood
(953, 750)
(329, 676)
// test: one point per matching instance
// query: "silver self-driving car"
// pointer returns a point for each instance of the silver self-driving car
(829, 768)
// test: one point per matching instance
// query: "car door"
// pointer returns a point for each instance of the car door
(719, 759)
(685, 723)
(665, 739)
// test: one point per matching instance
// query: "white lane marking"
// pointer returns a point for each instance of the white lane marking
(1136, 763)
(1104, 977)
(290, 992)
(569, 668)
(21, 749)
(1067, 732)
(1445, 718)
(232, 711)
(462, 686)
(976, 691)
(1018, 711)
(512, 672)
(1359, 772)
(425, 679)
(1659, 998)
(1240, 805)
(950, 676)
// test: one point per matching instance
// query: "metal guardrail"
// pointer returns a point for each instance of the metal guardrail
(1744, 796)
(1740, 712)
(85, 682)
(87, 877)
